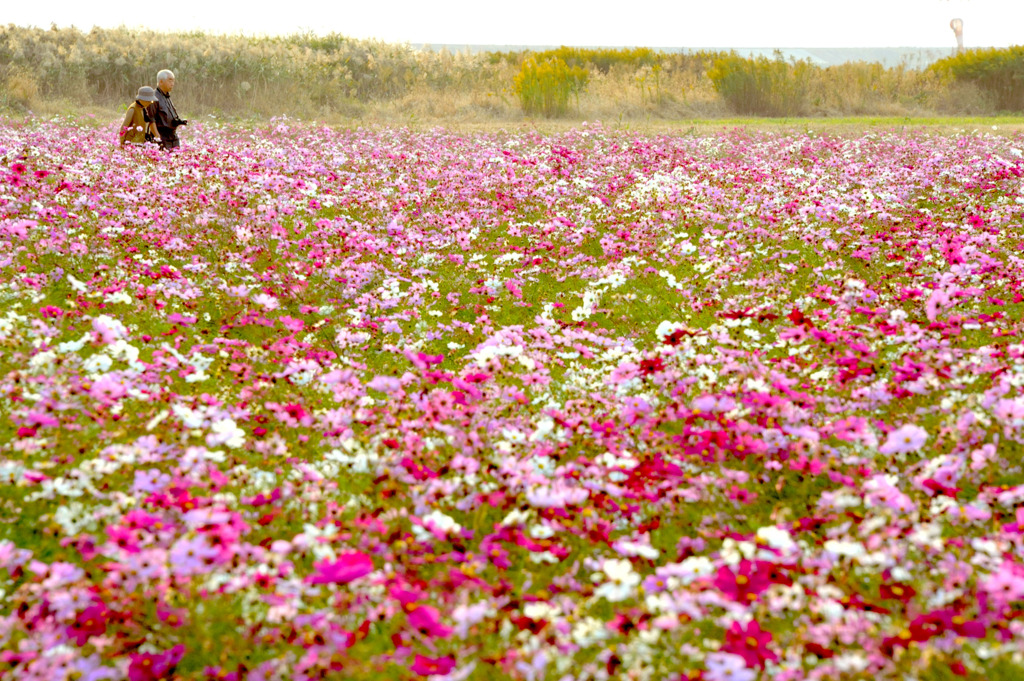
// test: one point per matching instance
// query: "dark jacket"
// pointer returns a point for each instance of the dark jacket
(164, 115)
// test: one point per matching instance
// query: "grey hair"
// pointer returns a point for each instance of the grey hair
(164, 75)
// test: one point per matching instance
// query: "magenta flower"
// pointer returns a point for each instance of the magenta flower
(123, 538)
(427, 620)
(90, 622)
(749, 642)
(348, 567)
(744, 584)
(430, 666)
(154, 666)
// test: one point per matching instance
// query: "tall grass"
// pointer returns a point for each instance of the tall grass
(301, 73)
(776, 87)
(334, 77)
(999, 73)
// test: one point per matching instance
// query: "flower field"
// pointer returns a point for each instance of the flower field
(303, 403)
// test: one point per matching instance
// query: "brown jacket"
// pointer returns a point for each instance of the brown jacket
(135, 125)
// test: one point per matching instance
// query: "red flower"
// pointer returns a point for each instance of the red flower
(819, 650)
(677, 336)
(891, 643)
(898, 592)
(651, 365)
(799, 318)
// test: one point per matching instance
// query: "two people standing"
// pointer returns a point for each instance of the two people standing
(152, 116)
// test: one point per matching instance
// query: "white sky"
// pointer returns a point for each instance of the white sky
(680, 23)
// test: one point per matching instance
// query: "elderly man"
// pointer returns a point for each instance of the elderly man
(163, 113)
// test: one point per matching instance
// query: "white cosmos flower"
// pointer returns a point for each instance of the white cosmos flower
(190, 418)
(225, 432)
(691, 569)
(622, 581)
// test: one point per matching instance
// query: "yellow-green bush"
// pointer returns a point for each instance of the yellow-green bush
(545, 86)
(762, 86)
(604, 58)
(999, 72)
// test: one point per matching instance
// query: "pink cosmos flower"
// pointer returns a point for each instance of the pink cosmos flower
(937, 301)
(908, 438)
(108, 390)
(1006, 585)
(292, 324)
(728, 667)
(192, 556)
(348, 567)
(427, 620)
(385, 384)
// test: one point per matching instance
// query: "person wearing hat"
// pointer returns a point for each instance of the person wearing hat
(138, 126)
(163, 113)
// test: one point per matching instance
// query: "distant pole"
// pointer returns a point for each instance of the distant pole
(958, 28)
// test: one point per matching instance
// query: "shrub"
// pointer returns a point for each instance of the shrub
(762, 86)
(545, 86)
(999, 72)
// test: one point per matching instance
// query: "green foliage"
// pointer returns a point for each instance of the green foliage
(545, 86)
(999, 72)
(762, 86)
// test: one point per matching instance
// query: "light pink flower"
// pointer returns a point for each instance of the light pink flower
(905, 439)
